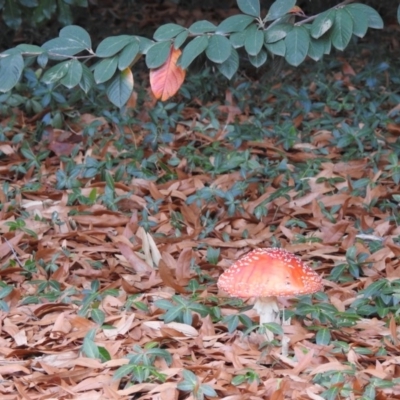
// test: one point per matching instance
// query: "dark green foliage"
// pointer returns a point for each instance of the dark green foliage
(71, 61)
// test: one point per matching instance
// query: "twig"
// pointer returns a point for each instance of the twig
(15, 254)
(315, 16)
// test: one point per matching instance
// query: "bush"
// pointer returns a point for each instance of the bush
(285, 31)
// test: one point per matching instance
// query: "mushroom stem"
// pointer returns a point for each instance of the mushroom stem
(268, 310)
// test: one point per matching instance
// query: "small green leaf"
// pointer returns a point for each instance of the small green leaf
(238, 380)
(192, 50)
(374, 19)
(360, 21)
(104, 354)
(77, 34)
(237, 39)
(167, 31)
(342, 29)
(323, 337)
(62, 48)
(229, 67)
(112, 45)
(254, 40)
(123, 371)
(280, 8)
(277, 48)
(55, 73)
(87, 80)
(297, 42)
(5, 291)
(11, 67)
(259, 59)
(73, 75)
(157, 54)
(120, 88)
(201, 27)
(128, 55)
(323, 23)
(219, 49)
(208, 390)
(105, 69)
(277, 32)
(274, 328)
(190, 377)
(90, 349)
(144, 44)
(249, 7)
(98, 316)
(180, 39)
(316, 49)
(235, 23)
(30, 48)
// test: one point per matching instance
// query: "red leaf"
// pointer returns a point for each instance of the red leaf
(166, 80)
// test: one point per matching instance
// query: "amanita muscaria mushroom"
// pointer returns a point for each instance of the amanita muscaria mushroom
(267, 273)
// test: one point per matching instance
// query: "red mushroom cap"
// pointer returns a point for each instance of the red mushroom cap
(269, 272)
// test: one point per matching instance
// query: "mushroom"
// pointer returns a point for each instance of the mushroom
(267, 273)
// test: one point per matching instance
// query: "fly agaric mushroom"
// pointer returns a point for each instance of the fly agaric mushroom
(265, 274)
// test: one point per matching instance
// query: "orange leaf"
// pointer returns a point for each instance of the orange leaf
(166, 80)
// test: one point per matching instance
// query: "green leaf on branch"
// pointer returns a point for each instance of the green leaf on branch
(158, 54)
(316, 49)
(229, 67)
(254, 40)
(277, 32)
(167, 31)
(342, 29)
(105, 69)
(87, 80)
(322, 23)
(235, 23)
(180, 39)
(120, 88)
(374, 19)
(237, 39)
(77, 34)
(30, 48)
(219, 49)
(62, 48)
(249, 7)
(112, 45)
(360, 21)
(73, 75)
(201, 27)
(277, 48)
(42, 60)
(11, 67)
(55, 73)
(297, 43)
(192, 50)
(144, 44)
(279, 8)
(259, 59)
(128, 55)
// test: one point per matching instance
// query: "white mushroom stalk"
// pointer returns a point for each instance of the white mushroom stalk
(268, 310)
